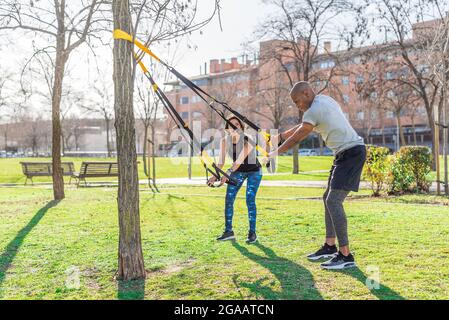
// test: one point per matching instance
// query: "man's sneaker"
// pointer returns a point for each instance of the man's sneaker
(227, 235)
(339, 262)
(252, 237)
(325, 252)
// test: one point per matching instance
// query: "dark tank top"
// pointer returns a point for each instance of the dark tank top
(251, 163)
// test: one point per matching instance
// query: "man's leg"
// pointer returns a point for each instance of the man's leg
(334, 204)
(330, 230)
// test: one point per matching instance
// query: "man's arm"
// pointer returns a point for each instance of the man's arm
(301, 132)
(287, 134)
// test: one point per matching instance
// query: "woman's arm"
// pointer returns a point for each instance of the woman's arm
(247, 148)
(222, 155)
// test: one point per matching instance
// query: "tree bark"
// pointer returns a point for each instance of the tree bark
(61, 58)
(401, 129)
(130, 256)
(108, 144)
(153, 154)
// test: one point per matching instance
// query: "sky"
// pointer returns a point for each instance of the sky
(85, 69)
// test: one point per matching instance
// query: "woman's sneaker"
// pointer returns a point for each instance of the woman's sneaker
(227, 235)
(339, 262)
(252, 237)
(325, 252)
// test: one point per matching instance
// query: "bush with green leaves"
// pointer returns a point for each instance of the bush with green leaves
(376, 168)
(410, 167)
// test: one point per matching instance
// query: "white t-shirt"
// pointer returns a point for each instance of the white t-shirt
(329, 121)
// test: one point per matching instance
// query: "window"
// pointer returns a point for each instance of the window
(359, 79)
(373, 95)
(389, 114)
(327, 64)
(200, 82)
(345, 98)
(345, 81)
(374, 115)
(196, 99)
(391, 94)
(184, 115)
(242, 93)
(360, 115)
(389, 75)
(184, 100)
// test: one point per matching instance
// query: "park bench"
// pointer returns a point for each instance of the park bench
(96, 170)
(44, 169)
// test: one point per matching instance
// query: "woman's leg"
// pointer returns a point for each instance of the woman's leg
(254, 179)
(231, 193)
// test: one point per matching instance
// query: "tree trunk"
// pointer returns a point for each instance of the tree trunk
(153, 155)
(130, 256)
(61, 58)
(5, 136)
(401, 129)
(144, 151)
(415, 141)
(295, 159)
(108, 144)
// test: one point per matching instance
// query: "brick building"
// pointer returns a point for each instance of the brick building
(359, 79)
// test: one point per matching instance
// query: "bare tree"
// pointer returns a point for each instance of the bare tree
(300, 28)
(103, 106)
(65, 27)
(147, 110)
(161, 21)
(401, 19)
(438, 59)
(273, 97)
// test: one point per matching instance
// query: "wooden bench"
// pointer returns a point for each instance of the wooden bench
(44, 169)
(96, 170)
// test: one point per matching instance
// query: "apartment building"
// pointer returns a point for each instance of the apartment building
(358, 79)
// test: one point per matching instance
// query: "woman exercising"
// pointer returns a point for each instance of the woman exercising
(245, 166)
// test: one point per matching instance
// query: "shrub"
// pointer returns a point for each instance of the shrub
(409, 169)
(376, 168)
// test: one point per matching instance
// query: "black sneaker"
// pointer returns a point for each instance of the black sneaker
(325, 252)
(227, 235)
(339, 262)
(252, 237)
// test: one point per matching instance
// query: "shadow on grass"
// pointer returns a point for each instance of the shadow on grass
(381, 292)
(131, 290)
(296, 281)
(10, 252)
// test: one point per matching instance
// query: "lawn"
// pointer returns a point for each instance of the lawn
(11, 170)
(45, 246)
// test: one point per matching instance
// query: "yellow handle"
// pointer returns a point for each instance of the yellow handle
(120, 34)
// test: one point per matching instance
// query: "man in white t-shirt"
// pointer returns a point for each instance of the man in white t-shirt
(323, 115)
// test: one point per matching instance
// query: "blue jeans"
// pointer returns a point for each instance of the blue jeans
(252, 186)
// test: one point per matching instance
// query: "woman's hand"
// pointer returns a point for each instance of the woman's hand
(211, 181)
(223, 180)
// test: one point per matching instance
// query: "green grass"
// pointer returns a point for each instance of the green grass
(40, 241)
(11, 170)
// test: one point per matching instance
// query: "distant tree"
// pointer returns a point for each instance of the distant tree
(300, 28)
(64, 27)
(399, 19)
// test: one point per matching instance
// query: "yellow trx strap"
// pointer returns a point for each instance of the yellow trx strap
(120, 34)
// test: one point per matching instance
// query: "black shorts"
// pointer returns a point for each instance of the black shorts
(347, 169)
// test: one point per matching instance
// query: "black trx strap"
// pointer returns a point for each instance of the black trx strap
(206, 160)
(119, 34)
